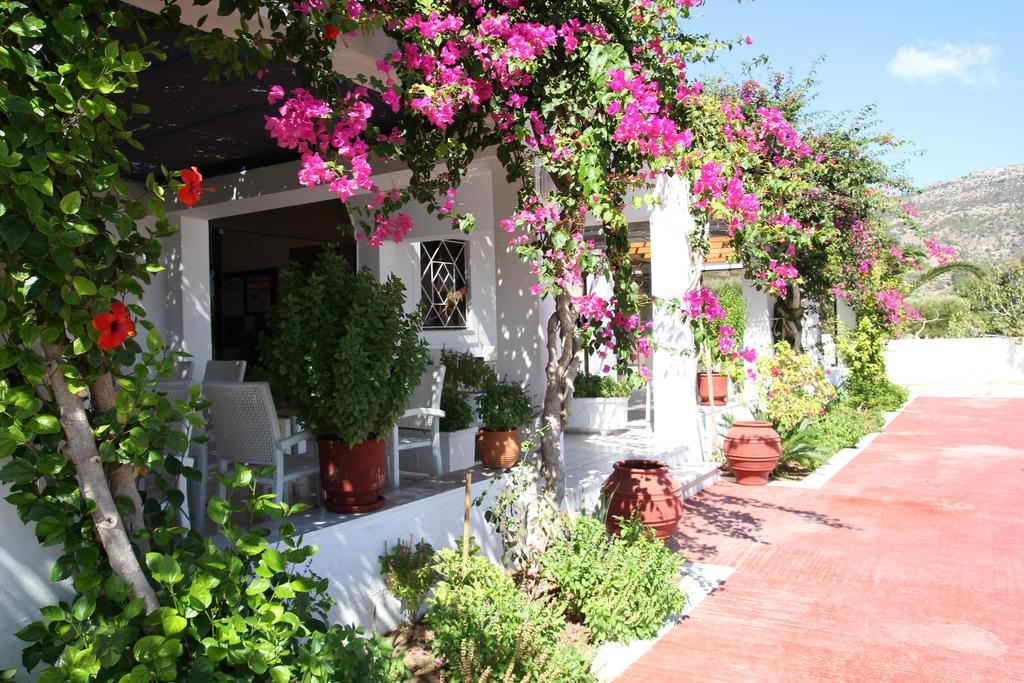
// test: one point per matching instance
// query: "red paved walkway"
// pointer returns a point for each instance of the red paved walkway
(907, 566)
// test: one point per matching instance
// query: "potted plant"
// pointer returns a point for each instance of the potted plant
(792, 389)
(504, 407)
(464, 378)
(347, 357)
(600, 403)
(718, 319)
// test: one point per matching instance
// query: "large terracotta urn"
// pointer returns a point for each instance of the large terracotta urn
(719, 388)
(752, 448)
(645, 488)
(352, 477)
(499, 450)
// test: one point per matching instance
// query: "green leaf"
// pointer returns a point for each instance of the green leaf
(170, 621)
(44, 424)
(280, 674)
(218, 509)
(274, 559)
(71, 202)
(83, 286)
(83, 607)
(165, 568)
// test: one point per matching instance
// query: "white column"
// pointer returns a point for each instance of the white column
(196, 331)
(846, 314)
(673, 374)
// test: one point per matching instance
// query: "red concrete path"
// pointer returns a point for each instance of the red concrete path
(907, 566)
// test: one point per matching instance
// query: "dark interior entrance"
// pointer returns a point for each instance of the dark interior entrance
(248, 254)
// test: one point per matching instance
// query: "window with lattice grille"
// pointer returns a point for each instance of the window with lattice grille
(444, 275)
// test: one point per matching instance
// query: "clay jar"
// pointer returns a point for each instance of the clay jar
(719, 388)
(499, 450)
(645, 488)
(752, 448)
(352, 477)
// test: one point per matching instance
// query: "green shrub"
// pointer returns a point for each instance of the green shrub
(463, 373)
(504, 406)
(937, 312)
(791, 388)
(843, 426)
(342, 350)
(240, 609)
(483, 626)
(995, 302)
(802, 451)
(881, 396)
(621, 587)
(730, 297)
(599, 386)
(408, 573)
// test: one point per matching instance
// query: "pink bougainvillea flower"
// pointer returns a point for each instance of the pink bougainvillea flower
(114, 327)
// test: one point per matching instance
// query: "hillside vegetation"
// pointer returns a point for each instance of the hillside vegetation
(981, 214)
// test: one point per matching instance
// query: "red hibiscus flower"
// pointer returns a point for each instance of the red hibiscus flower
(192, 190)
(330, 32)
(114, 327)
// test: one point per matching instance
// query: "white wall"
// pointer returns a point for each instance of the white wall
(349, 551)
(988, 360)
(25, 584)
(403, 259)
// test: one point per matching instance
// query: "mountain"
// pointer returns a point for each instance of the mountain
(981, 214)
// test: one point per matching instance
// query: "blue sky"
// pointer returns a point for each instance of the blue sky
(949, 76)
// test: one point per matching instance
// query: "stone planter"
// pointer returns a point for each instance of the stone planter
(499, 450)
(352, 477)
(719, 388)
(458, 449)
(752, 448)
(648, 489)
(601, 415)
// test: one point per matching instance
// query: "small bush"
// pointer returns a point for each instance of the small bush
(504, 406)
(484, 627)
(843, 426)
(600, 386)
(792, 388)
(730, 297)
(879, 396)
(463, 373)
(408, 573)
(621, 587)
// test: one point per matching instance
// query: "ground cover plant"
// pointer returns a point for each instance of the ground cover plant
(600, 386)
(620, 587)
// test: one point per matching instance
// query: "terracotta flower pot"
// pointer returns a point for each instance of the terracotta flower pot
(352, 477)
(719, 386)
(647, 488)
(498, 449)
(752, 449)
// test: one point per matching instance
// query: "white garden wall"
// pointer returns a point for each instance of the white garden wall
(25, 584)
(979, 361)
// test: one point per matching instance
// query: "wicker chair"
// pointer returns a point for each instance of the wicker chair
(224, 371)
(245, 428)
(420, 426)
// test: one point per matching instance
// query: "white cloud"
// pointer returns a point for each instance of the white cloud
(969, 64)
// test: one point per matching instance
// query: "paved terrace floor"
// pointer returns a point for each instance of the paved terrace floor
(907, 566)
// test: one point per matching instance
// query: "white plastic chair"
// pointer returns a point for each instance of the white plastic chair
(177, 390)
(420, 426)
(224, 371)
(245, 427)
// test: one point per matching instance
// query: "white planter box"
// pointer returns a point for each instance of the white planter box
(598, 414)
(458, 449)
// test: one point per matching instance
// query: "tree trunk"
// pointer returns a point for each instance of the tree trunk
(82, 452)
(788, 318)
(562, 365)
(122, 479)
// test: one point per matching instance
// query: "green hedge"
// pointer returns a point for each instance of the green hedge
(599, 386)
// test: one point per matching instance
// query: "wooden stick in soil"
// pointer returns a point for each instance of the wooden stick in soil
(465, 522)
(713, 427)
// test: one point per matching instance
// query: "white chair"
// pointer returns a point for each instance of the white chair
(420, 426)
(224, 371)
(245, 427)
(177, 390)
